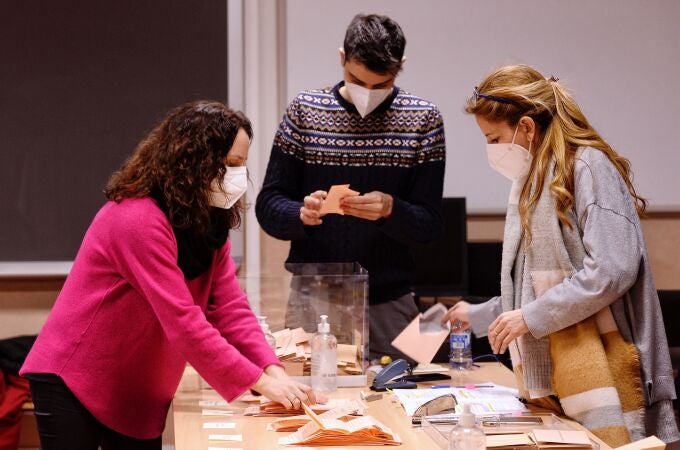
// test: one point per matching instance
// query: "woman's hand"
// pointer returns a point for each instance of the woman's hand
(277, 386)
(506, 328)
(309, 213)
(458, 315)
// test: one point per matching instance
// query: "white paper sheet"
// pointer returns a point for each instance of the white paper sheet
(482, 400)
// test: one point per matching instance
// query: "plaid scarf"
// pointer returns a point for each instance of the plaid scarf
(577, 363)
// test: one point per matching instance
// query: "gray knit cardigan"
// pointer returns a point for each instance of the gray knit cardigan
(616, 272)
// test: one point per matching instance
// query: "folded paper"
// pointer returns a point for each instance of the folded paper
(276, 409)
(331, 205)
(332, 431)
(422, 338)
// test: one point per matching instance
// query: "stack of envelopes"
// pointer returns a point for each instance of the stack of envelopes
(319, 431)
(276, 409)
(542, 439)
(294, 350)
(345, 412)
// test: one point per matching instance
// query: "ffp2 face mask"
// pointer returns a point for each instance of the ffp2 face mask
(234, 185)
(366, 100)
(510, 160)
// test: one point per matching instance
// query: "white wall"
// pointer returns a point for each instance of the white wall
(620, 58)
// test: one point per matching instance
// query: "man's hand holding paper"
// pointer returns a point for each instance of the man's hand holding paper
(371, 206)
(332, 201)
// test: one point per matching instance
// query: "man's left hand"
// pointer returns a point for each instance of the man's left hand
(506, 328)
(371, 206)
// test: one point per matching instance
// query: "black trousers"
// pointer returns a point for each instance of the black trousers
(65, 424)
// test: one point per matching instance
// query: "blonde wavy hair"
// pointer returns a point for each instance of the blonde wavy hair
(512, 92)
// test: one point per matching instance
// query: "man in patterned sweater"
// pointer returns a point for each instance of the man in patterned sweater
(388, 145)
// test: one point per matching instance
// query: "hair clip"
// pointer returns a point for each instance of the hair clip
(553, 78)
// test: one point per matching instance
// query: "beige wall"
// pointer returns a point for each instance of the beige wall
(662, 232)
(25, 303)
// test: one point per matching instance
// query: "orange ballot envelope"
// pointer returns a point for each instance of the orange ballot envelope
(345, 412)
(336, 193)
(332, 431)
(424, 335)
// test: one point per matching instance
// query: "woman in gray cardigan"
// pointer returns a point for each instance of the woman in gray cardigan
(578, 307)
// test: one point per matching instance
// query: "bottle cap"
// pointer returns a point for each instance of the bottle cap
(262, 320)
(466, 419)
(324, 326)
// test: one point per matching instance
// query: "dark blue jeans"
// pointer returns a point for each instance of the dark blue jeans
(65, 424)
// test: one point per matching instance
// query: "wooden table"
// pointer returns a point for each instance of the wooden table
(190, 435)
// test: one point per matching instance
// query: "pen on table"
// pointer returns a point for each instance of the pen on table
(466, 386)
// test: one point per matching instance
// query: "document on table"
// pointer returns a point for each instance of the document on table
(561, 439)
(219, 425)
(205, 403)
(483, 400)
(226, 437)
(216, 412)
(509, 441)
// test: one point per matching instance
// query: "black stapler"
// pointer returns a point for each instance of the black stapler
(391, 377)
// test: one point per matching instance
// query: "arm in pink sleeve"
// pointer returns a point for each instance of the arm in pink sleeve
(229, 311)
(143, 250)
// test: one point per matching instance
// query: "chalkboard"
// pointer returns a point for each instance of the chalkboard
(620, 59)
(81, 82)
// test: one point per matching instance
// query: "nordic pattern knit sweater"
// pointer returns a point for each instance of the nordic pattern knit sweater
(127, 321)
(397, 149)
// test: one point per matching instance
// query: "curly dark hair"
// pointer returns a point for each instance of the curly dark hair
(179, 159)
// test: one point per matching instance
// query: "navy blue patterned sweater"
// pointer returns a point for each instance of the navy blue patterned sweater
(398, 149)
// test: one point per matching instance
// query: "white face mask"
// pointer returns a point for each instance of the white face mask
(366, 100)
(233, 187)
(511, 160)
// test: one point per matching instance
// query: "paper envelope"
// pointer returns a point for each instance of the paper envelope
(565, 437)
(422, 338)
(336, 193)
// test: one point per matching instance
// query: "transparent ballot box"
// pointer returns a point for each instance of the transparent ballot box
(293, 304)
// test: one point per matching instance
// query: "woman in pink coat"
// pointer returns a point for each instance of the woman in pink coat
(152, 287)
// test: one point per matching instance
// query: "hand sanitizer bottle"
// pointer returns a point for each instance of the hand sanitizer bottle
(467, 435)
(324, 358)
(271, 340)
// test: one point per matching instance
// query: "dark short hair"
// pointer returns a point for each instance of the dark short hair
(375, 41)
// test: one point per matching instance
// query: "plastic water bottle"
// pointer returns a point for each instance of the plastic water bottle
(269, 337)
(324, 358)
(460, 355)
(467, 435)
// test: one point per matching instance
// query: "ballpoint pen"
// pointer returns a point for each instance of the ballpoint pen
(466, 386)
